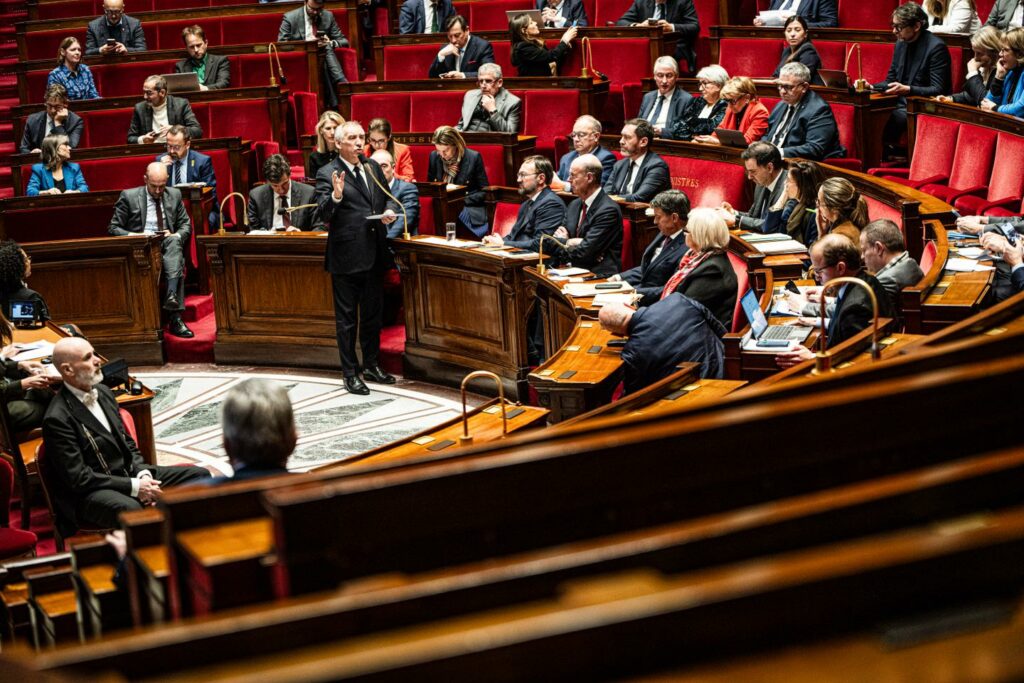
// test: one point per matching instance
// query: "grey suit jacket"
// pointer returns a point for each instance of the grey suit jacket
(179, 111)
(130, 213)
(901, 272)
(505, 118)
(218, 70)
(1001, 14)
(293, 27)
(754, 219)
(260, 208)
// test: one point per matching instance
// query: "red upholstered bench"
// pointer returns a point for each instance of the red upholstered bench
(623, 60)
(421, 159)
(105, 128)
(628, 233)
(739, 267)
(505, 214)
(408, 62)
(394, 106)
(225, 119)
(934, 148)
(871, 15)
(707, 182)
(1006, 182)
(427, 216)
(547, 113)
(971, 167)
(875, 58)
(608, 11)
(72, 8)
(503, 56)
(877, 209)
(490, 15)
(44, 44)
(432, 109)
(754, 57)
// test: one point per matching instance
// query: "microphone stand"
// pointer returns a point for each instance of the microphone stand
(245, 214)
(541, 268)
(290, 209)
(370, 175)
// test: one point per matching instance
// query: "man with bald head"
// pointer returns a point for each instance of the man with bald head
(115, 33)
(96, 467)
(155, 209)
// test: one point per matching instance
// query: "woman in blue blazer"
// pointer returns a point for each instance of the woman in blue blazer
(55, 175)
(1007, 93)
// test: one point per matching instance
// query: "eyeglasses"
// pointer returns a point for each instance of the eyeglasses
(578, 136)
(900, 27)
(786, 87)
(486, 81)
(150, 92)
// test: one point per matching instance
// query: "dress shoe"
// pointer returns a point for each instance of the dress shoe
(375, 373)
(178, 328)
(171, 303)
(356, 386)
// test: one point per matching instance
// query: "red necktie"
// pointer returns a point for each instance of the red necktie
(583, 218)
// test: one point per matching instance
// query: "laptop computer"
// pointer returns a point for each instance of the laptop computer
(731, 138)
(182, 82)
(834, 78)
(769, 336)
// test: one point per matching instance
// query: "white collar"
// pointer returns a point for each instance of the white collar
(81, 395)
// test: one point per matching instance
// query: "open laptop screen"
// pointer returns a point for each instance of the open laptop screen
(755, 316)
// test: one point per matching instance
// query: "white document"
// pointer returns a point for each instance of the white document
(604, 299)
(581, 289)
(965, 265)
(432, 239)
(751, 345)
(33, 351)
(787, 246)
(971, 252)
(567, 272)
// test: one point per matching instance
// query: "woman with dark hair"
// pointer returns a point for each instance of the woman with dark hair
(529, 55)
(794, 213)
(378, 137)
(841, 209)
(24, 386)
(799, 48)
(55, 175)
(15, 269)
(71, 73)
(451, 162)
(325, 151)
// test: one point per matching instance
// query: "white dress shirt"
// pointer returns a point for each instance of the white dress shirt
(90, 399)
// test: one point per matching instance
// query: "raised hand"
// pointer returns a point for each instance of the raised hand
(338, 181)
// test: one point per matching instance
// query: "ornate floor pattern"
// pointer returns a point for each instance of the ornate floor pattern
(332, 423)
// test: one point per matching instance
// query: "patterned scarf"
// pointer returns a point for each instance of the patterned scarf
(687, 264)
(451, 169)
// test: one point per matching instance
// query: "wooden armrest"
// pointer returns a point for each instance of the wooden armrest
(1008, 203)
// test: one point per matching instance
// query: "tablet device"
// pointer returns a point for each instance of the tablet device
(182, 82)
(731, 138)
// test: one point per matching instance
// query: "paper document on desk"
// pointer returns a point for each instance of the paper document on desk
(756, 237)
(966, 265)
(448, 243)
(786, 246)
(751, 345)
(567, 272)
(262, 232)
(33, 350)
(604, 299)
(971, 252)
(580, 289)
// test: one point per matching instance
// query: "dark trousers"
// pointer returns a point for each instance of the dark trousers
(100, 509)
(358, 298)
(895, 127)
(332, 75)
(173, 255)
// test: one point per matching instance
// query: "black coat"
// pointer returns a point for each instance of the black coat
(531, 59)
(818, 13)
(813, 134)
(929, 70)
(478, 53)
(218, 70)
(540, 216)
(600, 252)
(35, 131)
(713, 284)
(179, 111)
(692, 124)
(853, 311)
(650, 276)
(680, 13)
(472, 174)
(651, 178)
(975, 89)
(807, 55)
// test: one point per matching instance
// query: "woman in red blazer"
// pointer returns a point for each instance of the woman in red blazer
(744, 112)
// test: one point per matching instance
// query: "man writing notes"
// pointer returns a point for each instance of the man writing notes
(541, 212)
(269, 204)
(348, 194)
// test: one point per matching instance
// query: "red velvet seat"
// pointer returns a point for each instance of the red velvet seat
(846, 123)
(394, 106)
(494, 163)
(707, 182)
(44, 44)
(627, 245)
(708, 14)
(408, 62)
(547, 113)
(1006, 183)
(739, 267)
(832, 53)
(432, 109)
(421, 158)
(505, 214)
(871, 15)
(875, 58)
(934, 148)
(69, 9)
(490, 15)
(503, 55)
(608, 11)
(623, 60)
(427, 216)
(877, 209)
(13, 542)
(228, 118)
(971, 167)
(928, 256)
(115, 174)
(105, 128)
(754, 57)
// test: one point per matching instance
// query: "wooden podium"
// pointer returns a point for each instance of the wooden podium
(465, 309)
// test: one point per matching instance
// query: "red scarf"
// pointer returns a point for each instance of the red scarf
(687, 265)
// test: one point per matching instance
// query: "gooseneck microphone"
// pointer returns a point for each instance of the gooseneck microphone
(363, 162)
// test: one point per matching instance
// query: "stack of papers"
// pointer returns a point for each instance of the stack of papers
(616, 298)
(567, 272)
(785, 246)
(756, 237)
(965, 265)
(971, 252)
(583, 289)
(33, 350)
(432, 239)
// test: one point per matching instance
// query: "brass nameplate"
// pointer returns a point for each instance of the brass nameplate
(594, 349)
(692, 387)
(567, 374)
(546, 373)
(888, 341)
(422, 440)
(514, 413)
(493, 410)
(572, 348)
(995, 330)
(586, 324)
(441, 445)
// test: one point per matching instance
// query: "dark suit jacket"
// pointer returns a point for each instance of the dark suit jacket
(813, 134)
(651, 178)
(540, 216)
(354, 244)
(260, 208)
(713, 284)
(130, 213)
(606, 158)
(929, 73)
(409, 196)
(600, 252)
(198, 169)
(691, 123)
(1017, 280)
(807, 55)
(650, 276)
(478, 52)
(680, 100)
(531, 59)
(472, 174)
(818, 13)
(293, 27)
(853, 311)
(218, 70)
(35, 131)
(680, 13)
(179, 111)
(74, 463)
(975, 89)
(412, 18)
(672, 331)
(98, 31)
(754, 219)
(572, 10)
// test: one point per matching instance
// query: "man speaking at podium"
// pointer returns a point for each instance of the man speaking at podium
(353, 204)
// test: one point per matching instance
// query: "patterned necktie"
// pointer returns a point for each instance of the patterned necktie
(90, 398)
(159, 213)
(286, 217)
(174, 173)
(659, 10)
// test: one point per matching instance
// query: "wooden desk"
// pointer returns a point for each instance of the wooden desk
(558, 311)
(955, 297)
(465, 310)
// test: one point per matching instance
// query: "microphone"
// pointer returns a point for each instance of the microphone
(362, 162)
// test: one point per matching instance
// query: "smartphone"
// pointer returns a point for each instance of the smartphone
(614, 343)
(608, 285)
(791, 287)
(652, 22)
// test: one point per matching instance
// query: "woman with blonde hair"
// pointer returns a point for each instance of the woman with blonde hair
(705, 273)
(55, 175)
(529, 54)
(453, 163)
(841, 209)
(981, 70)
(326, 152)
(951, 16)
(72, 73)
(744, 111)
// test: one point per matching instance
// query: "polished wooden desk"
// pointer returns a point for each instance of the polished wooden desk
(465, 310)
(559, 312)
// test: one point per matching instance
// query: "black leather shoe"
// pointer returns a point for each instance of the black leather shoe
(171, 303)
(178, 328)
(356, 386)
(375, 373)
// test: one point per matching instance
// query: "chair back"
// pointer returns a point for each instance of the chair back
(6, 491)
(739, 267)
(46, 483)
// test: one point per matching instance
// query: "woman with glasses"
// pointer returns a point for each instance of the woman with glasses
(703, 114)
(981, 71)
(841, 210)
(72, 73)
(378, 137)
(529, 54)
(326, 151)
(794, 213)
(1007, 93)
(744, 111)
(453, 163)
(799, 48)
(55, 175)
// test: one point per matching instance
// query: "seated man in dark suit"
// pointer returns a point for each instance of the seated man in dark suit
(921, 66)
(258, 426)
(153, 117)
(802, 124)
(97, 467)
(835, 256)
(272, 205)
(541, 213)
(125, 32)
(679, 16)
(585, 139)
(639, 174)
(312, 23)
(463, 55)
(1012, 255)
(664, 106)
(185, 165)
(817, 13)
(592, 235)
(765, 167)
(405, 192)
(56, 119)
(674, 330)
(490, 107)
(424, 16)
(661, 258)
(157, 209)
(562, 13)
(213, 71)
